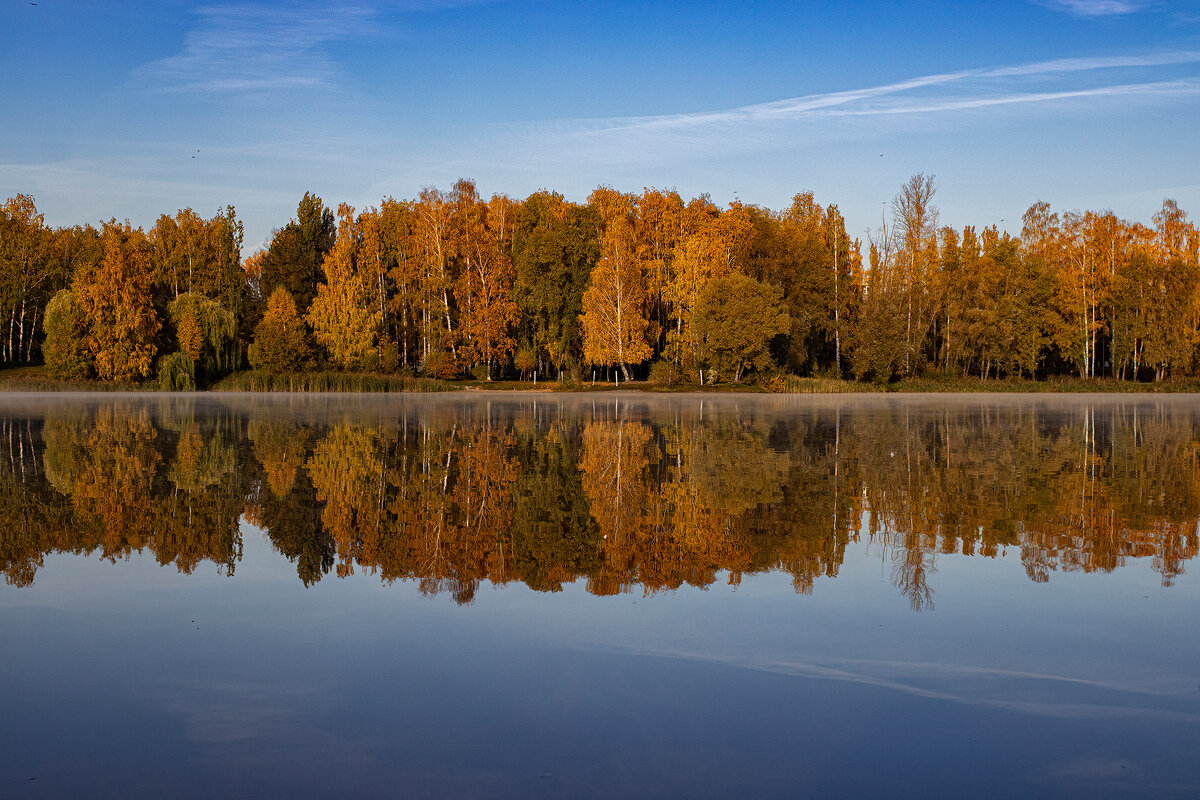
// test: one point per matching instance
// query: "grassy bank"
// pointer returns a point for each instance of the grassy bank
(253, 381)
(35, 379)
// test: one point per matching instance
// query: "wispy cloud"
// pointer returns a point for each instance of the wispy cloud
(1097, 8)
(257, 48)
(1054, 83)
(899, 94)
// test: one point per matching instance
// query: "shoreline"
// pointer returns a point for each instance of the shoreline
(32, 380)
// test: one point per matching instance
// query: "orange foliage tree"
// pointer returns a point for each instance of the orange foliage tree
(116, 300)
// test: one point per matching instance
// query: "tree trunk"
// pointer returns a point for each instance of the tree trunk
(32, 330)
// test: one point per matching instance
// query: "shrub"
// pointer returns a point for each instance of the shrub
(389, 357)
(663, 373)
(439, 363)
(525, 360)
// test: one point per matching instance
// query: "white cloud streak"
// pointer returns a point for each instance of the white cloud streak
(1097, 8)
(847, 114)
(846, 101)
(257, 48)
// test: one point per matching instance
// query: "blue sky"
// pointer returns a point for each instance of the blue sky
(1081, 103)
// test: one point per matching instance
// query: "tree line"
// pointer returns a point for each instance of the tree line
(648, 285)
(649, 497)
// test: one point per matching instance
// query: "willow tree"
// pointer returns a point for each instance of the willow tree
(205, 331)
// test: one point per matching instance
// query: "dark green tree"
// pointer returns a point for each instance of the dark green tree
(555, 246)
(297, 250)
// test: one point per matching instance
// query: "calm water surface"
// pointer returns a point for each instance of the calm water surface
(520, 595)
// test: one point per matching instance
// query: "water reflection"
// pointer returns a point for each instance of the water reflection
(634, 493)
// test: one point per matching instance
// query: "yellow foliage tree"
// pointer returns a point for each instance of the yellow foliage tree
(485, 286)
(280, 341)
(341, 316)
(614, 318)
(713, 249)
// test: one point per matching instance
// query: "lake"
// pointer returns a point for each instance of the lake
(531, 594)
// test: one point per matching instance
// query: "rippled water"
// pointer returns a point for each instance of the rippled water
(520, 594)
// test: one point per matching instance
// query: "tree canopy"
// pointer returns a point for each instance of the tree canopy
(450, 283)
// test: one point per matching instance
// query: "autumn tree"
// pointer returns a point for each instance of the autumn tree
(66, 350)
(614, 306)
(659, 224)
(436, 273)
(805, 252)
(484, 287)
(342, 316)
(952, 279)
(280, 340)
(714, 244)
(915, 221)
(29, 276)
(202, 256)
(401, 286)
(879, 344)
(373, 263)
(116, 299)
(736, 317)
(1013, 291)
